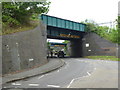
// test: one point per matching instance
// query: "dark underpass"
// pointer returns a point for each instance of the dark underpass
(62, 29)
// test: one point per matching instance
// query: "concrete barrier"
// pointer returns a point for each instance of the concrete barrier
(24, 50)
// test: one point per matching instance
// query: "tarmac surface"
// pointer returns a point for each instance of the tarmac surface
(52, 65)
(104, 75)
(75, 73)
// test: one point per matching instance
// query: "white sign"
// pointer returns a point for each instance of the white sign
(87, 45)
(31, 59)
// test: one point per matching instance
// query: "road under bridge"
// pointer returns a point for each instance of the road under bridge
(62, 29)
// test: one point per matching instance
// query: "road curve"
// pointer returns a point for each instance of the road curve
(75, 73)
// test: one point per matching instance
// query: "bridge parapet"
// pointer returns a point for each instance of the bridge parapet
(62, 23)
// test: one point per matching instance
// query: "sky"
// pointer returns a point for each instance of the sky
(101, 11)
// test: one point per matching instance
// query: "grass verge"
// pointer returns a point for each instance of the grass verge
(111, 58)
(21, 28)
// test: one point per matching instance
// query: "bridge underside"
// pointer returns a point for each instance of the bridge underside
(64, 34)
(75, 38)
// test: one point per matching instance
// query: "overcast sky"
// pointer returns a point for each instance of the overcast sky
(100, 11)
(79, 10)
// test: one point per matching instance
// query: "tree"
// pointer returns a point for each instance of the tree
(19, 13)
(66, 42)
(66, 47)
(102, 31)
(118, 21)
(118, 29)
(91, 26)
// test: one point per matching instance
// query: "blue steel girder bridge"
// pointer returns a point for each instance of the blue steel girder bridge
(58, 28)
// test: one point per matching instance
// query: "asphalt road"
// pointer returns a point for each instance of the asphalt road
(76, 73)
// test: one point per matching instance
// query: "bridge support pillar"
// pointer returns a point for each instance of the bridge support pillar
(76, 48)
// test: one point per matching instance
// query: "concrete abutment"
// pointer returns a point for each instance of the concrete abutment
(75, 48)
(24, 50)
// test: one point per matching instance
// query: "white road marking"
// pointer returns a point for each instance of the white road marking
(88, 73)
(16, 84)
(53, 86)
(70, 83)
(78, 78)
(40, 77)
(33, 84)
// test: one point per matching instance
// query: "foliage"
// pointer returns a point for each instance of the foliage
(103, 31)
(90, 25)
(113, 36)
(20, 13)
(48, 45)
(66, 41)
(66, 47)
(118, 21)
(118, 29)
(18, 29)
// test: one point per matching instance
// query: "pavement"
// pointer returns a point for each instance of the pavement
(52, 65)
(59, 78)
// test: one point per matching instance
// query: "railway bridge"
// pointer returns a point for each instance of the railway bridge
(63, 29)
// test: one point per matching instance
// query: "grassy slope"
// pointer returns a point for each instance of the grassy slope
(10, 30)
(112, 58)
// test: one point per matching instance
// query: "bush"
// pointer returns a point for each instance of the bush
(19, 13)
(10, 21)
(103, 31)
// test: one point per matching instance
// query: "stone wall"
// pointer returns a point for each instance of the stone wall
(24, 50)
(93, 44)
